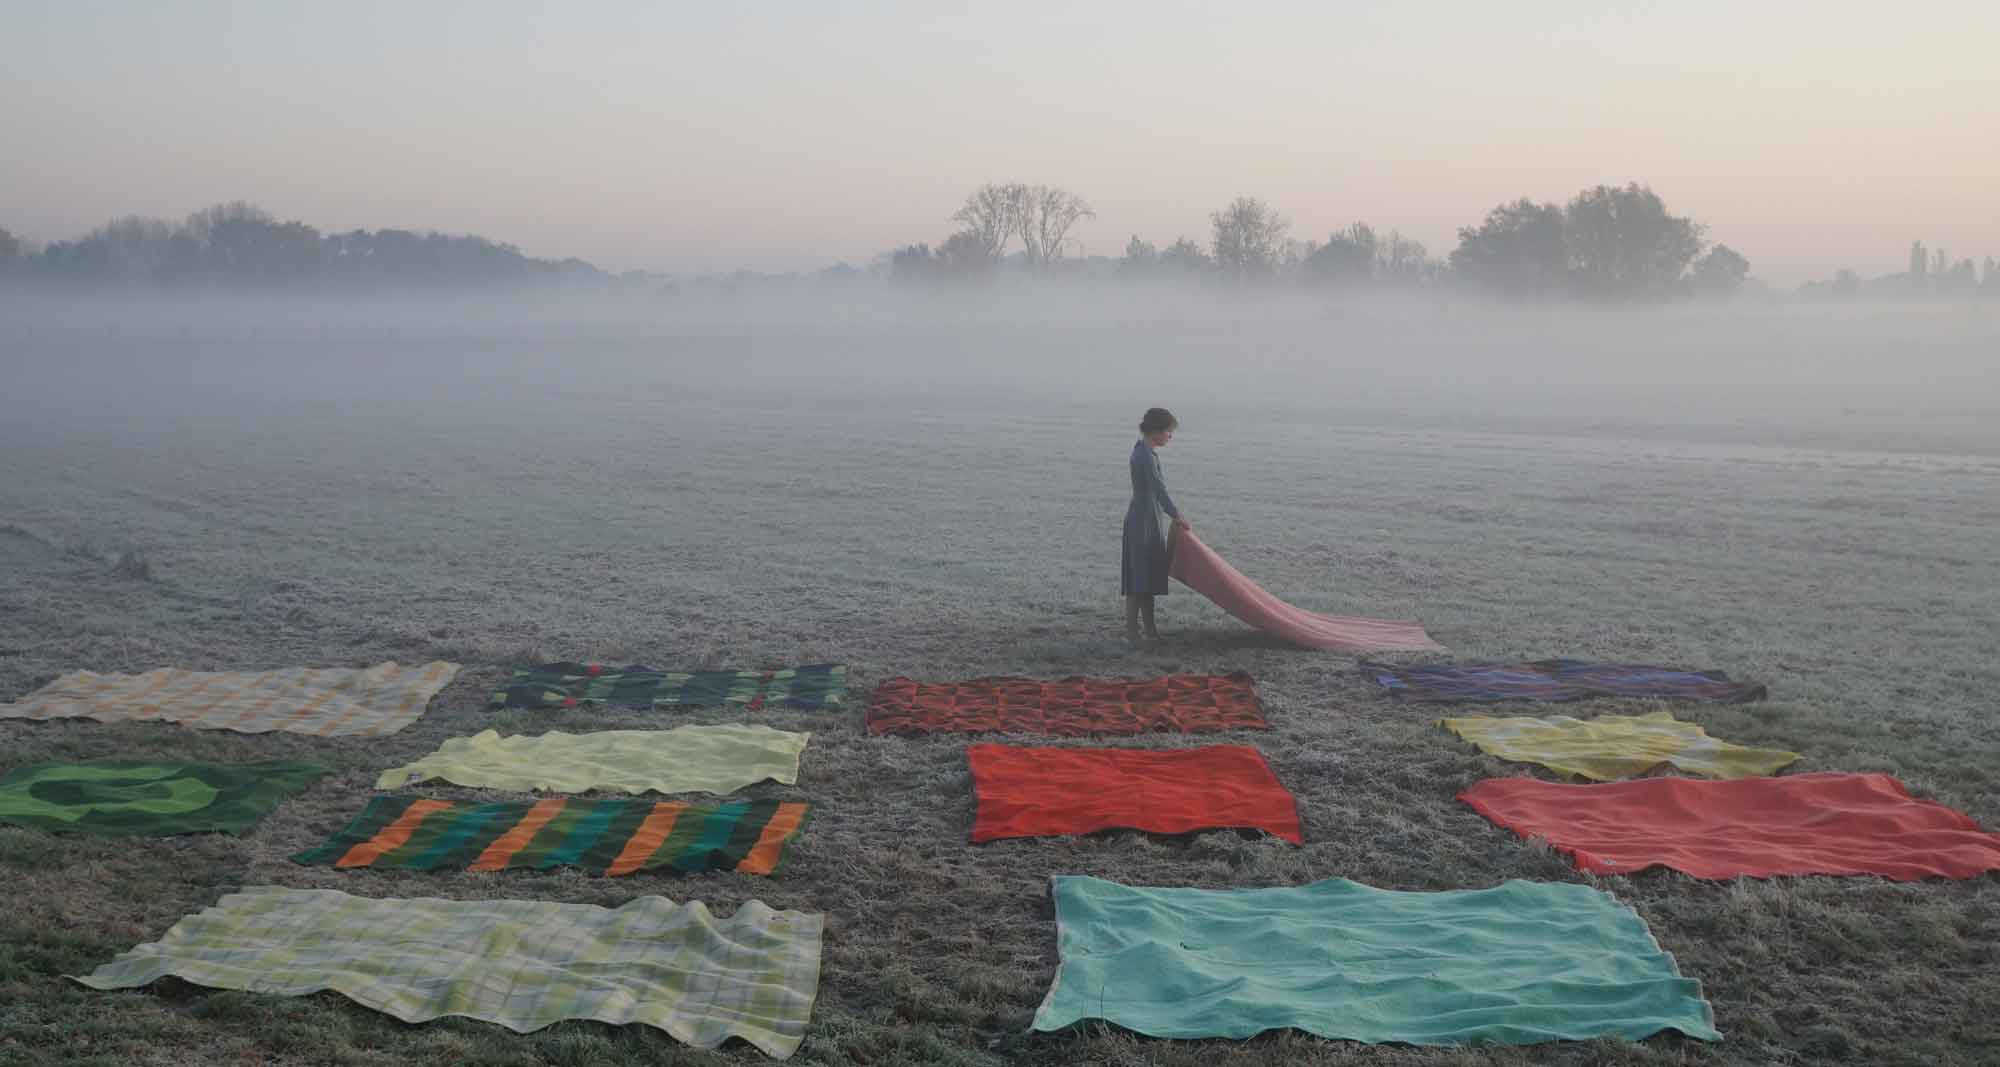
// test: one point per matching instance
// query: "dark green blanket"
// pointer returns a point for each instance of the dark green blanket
(566, 685)
(150, 798)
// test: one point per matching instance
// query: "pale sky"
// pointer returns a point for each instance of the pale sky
(684, 137)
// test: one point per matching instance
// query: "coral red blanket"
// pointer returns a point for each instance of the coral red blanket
(1052, 792)
(1198, 567)
(1070, 707)
(1826, 823)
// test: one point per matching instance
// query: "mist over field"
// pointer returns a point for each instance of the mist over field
(1909, 377)
(929, 483)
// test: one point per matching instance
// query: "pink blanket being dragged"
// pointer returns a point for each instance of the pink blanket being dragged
(1198, 567)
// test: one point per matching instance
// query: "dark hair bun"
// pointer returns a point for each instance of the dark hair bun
(1158, 420)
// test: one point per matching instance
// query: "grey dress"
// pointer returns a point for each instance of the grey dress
(1145, 569)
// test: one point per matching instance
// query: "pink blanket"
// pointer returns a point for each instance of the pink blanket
(1200, 569)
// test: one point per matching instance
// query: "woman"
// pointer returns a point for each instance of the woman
(1146, 546)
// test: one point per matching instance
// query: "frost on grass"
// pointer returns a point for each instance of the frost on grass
(647, 502)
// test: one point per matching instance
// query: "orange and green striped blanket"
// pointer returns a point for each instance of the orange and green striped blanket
(610, 837)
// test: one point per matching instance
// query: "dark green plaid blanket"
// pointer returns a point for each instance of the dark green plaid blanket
(566, 685)
(152, 799)
(612, 837)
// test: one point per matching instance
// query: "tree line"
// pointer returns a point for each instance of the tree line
(239, 245)
(1608, 243)
(1932, 273)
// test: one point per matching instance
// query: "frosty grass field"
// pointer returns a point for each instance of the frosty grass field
(254, 499)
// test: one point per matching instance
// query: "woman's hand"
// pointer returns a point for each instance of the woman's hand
(1181, 523)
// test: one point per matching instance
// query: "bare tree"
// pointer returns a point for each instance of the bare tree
(1249, 238)
(1400, 259)
(992, 213)
(1047, 213)
(203, 225)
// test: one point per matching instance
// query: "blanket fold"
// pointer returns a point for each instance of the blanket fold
(1198, 567)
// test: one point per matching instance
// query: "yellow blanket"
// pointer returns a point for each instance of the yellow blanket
(1616, 746)
(686, 759)
(321, 701)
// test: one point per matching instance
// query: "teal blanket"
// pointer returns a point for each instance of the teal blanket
(1517, 964)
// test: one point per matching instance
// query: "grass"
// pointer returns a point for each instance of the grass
(345, 524)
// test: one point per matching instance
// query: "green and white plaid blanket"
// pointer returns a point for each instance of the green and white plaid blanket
(520, 963)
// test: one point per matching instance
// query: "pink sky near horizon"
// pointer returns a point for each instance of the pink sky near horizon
(1809, 136)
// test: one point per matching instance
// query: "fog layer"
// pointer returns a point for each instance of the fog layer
(1917, 377)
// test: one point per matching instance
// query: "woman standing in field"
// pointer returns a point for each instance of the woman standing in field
(1146, 547)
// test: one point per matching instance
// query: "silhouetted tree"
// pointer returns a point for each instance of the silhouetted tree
(1046, 216)
(1719, 273)
(1185, 257)
(913, 263)
(1962, 278)
(1518, 250)
(239, 244)
(123, 251)
(1622, 243)
(992, 214)
(12, 250)
(1140, 259)
(963, 255)
(840, 275)
(1348, 256)
(1404, 261)
(1249, 239)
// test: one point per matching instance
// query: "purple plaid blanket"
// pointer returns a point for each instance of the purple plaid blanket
(1556, 680)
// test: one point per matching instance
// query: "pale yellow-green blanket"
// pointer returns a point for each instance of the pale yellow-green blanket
(1616, 746)
(686, 759)
(523, 964)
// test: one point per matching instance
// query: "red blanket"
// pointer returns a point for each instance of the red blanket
(1052, 792)
(1802, 824)
(1071, 707)
(1198, 567)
